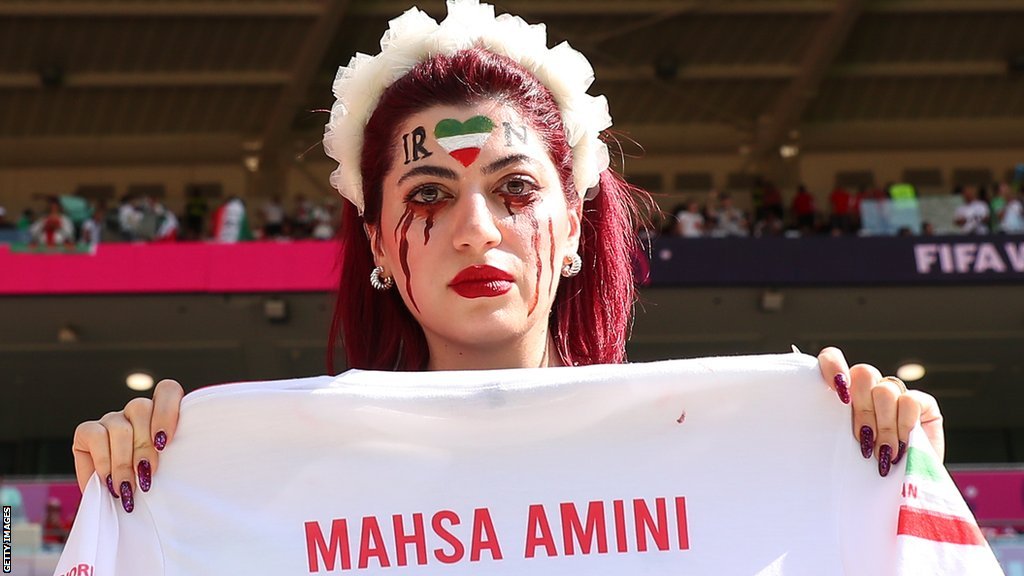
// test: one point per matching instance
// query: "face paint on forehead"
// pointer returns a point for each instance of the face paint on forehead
(412, 144)
(518, 131)
(463, 140)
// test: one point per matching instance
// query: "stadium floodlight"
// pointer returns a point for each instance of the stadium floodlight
(139, 381)
(910, 372)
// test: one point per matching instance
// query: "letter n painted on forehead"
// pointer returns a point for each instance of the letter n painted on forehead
(463, 140)
(414, 148)
(510, 130)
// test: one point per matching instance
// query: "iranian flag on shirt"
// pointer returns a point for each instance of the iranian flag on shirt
(936, 531)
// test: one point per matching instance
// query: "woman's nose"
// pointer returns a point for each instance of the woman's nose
(475, 227)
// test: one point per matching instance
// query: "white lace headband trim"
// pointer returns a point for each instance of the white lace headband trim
(414, 36)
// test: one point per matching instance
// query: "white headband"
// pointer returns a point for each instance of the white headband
(414, 37)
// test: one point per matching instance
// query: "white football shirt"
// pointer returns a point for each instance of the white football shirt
(721, 466)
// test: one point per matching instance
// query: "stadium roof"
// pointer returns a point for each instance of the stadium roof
(160, 81)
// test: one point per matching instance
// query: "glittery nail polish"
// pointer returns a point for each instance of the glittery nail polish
(110, 486)
(900, 451)
(160, 440)
(867, 441)
(842, 388)
(145, 475)
(127, 500)
(884, 460)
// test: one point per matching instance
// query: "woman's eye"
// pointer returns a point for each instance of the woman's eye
(517, 187)
(426, 195)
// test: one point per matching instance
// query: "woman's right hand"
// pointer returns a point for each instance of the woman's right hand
(122, 444)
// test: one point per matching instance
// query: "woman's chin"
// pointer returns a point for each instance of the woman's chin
(483, 327)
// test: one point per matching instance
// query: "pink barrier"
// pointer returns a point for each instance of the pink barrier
(301, 266)
(995, 496)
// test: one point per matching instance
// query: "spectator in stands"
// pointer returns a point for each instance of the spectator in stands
(77, 209)
(872, 193)
(803, 210)
(770, 225)
(728, 219)
(129, 218)
(1001, 195)
(1011, 217)
(166, 223)
(24, 225)
(902, 192)
(196, 210)
(971, 217)
(230, 222)
(54, 229)
(273, 218)
(843, 208)
(26, 219)
(148, 218)
(690, 222)
(771, 201)
(92, 230)
(55, 527)
(111, 229)
(4, 222)
(324, 218)
(302, 218)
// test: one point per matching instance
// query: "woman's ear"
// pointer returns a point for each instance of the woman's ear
(572, 244)
(373, 235)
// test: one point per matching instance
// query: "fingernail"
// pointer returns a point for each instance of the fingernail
(160, 440)
(884, 459)
(110, 486)
(867, 441)
(842, 388)
(126, 496)
(900, 451)
(145, 475)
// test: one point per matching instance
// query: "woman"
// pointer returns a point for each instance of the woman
(494, 234)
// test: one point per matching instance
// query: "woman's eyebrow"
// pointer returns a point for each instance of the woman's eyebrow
(506, 162)
(438, 171)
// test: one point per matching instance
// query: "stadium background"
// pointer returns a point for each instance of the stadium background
(107, 97)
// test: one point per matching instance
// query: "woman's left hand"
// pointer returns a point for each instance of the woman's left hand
(883, 413)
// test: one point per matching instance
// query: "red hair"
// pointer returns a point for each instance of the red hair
(592, 312)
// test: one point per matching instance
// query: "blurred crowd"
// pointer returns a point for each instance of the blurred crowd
(979, 210)
(72, 222)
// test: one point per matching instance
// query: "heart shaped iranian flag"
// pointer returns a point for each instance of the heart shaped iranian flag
(463, 140)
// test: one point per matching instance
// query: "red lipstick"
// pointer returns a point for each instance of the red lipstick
(481, 281)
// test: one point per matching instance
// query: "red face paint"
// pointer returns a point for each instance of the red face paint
(536, 250)
(403, 253)
(427, 227)
(551, 255)
(524, 203)
(413, 211)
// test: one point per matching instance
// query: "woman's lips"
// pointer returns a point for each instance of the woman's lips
(482, 289)
(481, 282)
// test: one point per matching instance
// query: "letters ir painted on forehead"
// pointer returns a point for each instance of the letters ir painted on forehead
(414, 36)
